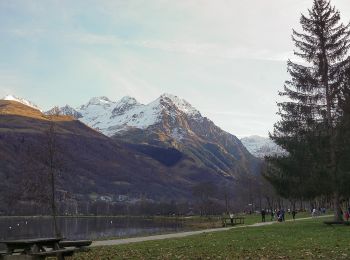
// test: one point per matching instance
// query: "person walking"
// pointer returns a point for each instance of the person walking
(313, 212)
(263, 213)
(231, 218)
(272, 215)
(347, 215)
(279, 215)
(293, 214)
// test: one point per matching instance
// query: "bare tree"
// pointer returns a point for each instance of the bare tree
(203, 192)
(53, 162)
(41, 166)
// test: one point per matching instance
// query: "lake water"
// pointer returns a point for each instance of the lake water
(85, 227)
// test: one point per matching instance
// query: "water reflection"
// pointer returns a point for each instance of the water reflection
(84, 227)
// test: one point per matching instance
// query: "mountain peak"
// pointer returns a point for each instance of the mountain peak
(255, 138)
(21, 100)
(127, 113)
(128, 100)
(125, 104)
(66, 110)
(261, 146)
(168, 95)
(180, 103)
(100, 100)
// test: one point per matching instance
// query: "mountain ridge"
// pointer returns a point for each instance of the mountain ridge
(167, 122)
(261, 146)
(21, 100)
(170, 122)
(94, 163)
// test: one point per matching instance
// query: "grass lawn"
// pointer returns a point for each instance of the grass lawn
(307, 239)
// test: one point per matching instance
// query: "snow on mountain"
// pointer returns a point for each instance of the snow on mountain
(167, 125)
(125, 104)
(21, 100)
(111, 117)
(66, 110)
(261, 146)
(181, 104)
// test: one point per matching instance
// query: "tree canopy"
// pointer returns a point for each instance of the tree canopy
(313, 121)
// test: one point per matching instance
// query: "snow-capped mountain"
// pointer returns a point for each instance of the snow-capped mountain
(94, 163)
(261, 146)
(111, 117)
(21, 100)
(168, 122)
(66, 110)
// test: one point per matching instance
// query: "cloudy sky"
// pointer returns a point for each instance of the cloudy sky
(226, 57)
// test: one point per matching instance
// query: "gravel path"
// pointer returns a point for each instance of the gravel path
(182, 234)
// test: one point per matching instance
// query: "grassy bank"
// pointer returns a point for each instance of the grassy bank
(193, 223)
(307, 239)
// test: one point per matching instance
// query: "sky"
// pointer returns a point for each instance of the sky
(225, 57)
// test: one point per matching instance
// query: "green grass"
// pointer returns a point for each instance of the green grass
(307, 239)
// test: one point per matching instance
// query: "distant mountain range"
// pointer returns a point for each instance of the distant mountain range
(160, 150)
(167, 122)
(261, 146)
(110, 117)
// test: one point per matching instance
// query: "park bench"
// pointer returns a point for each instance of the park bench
(38, 249)
(232, 221)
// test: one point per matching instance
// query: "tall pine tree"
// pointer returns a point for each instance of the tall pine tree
(311, 117)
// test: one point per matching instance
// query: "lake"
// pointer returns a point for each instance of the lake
(85, 227)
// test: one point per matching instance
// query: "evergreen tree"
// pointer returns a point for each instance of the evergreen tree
(311, 117)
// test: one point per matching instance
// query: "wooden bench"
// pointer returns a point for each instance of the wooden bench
(232, 221)
(41, 248)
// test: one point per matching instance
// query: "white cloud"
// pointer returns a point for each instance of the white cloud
(189, 48)
(92, 38)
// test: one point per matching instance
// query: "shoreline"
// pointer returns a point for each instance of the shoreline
(188, 233)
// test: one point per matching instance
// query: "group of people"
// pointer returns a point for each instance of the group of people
(278, 215)
(320, 211)
(347, 214)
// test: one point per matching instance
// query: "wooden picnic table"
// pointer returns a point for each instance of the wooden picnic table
(37, 248)
(232, 221)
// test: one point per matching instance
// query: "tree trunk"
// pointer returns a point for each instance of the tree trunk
(226, 202)
(53, 205)
(338, 216)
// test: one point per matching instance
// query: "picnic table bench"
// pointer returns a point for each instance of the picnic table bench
(36, 249)
(232, 221)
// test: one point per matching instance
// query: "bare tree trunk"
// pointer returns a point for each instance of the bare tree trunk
(52, 154)
(292, 202)
(337, 209)
(53, 204)
(226, 202)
